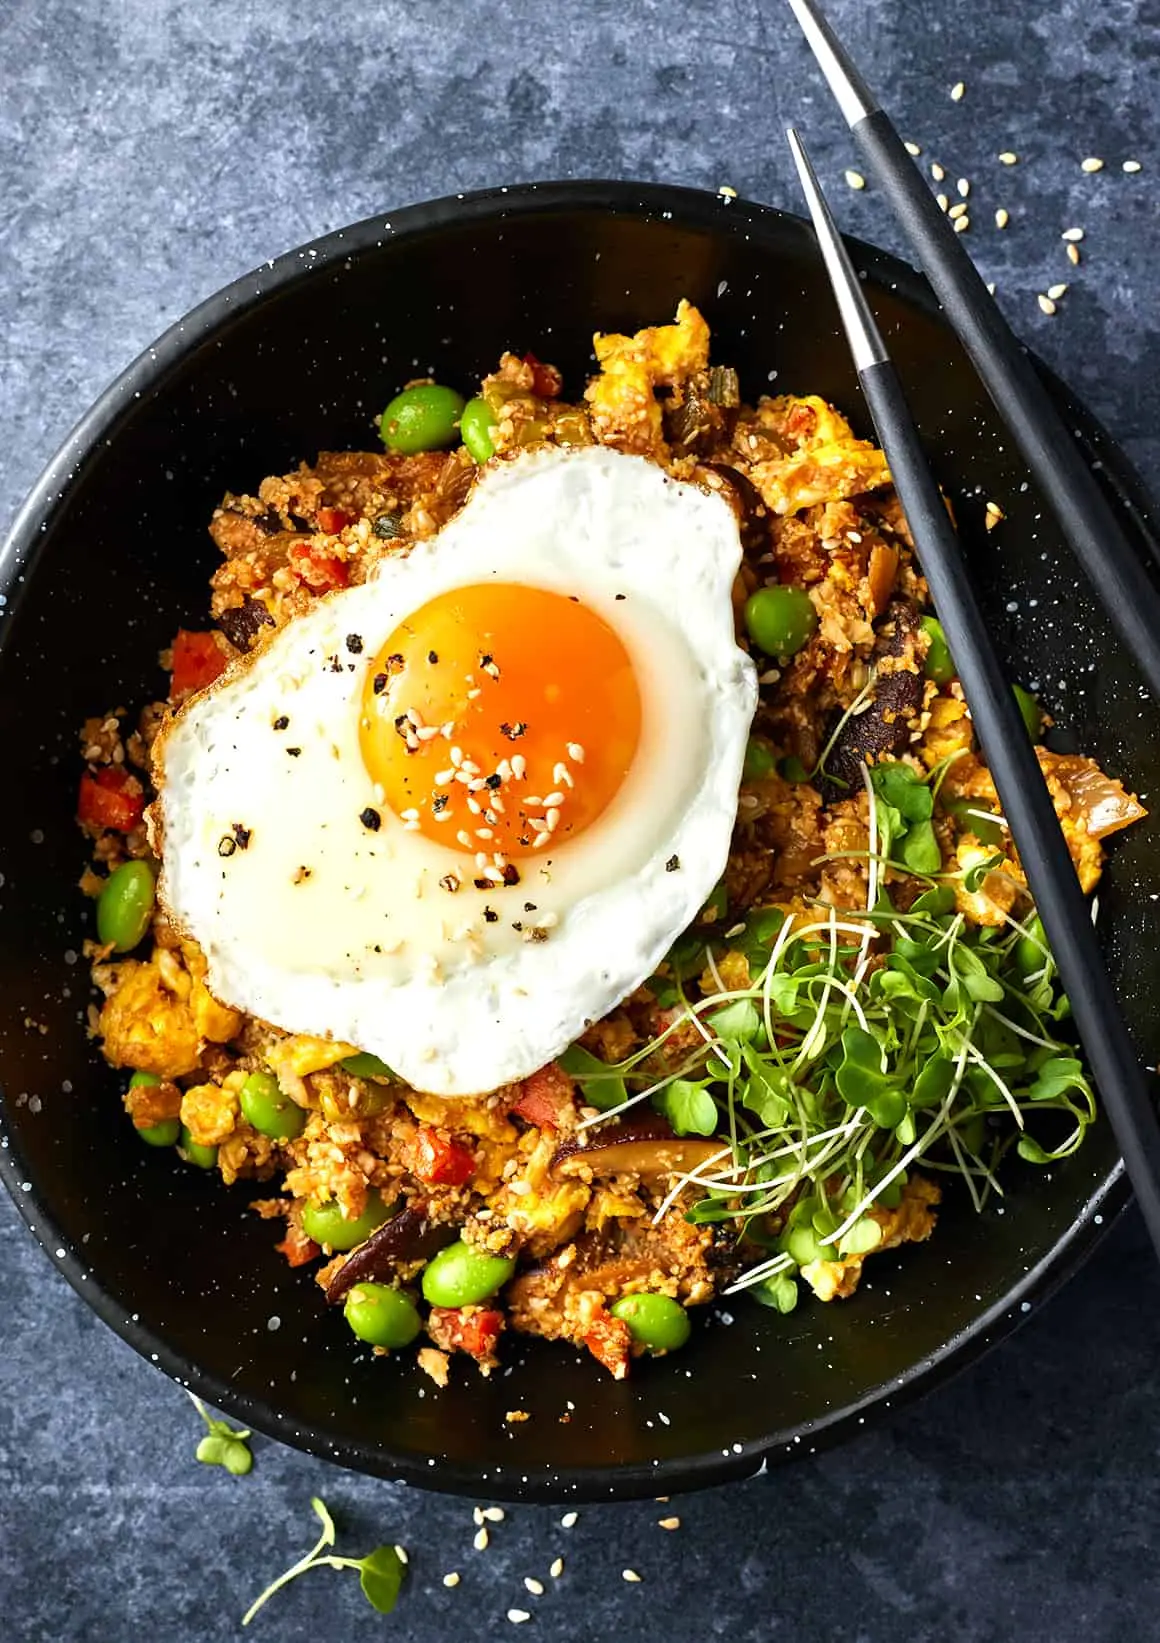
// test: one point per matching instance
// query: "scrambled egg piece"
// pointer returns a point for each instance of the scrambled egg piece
(824, 461)
(912, 1222)
(214, 1021)
(995, 897)
(145, 1025)
(477, 1114)
(623, 406)
(210, 1113)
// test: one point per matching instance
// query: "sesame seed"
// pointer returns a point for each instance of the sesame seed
(540, 840)
(451, 1579)
(1007, 158)
(474, 806)
(1056, 291)
(568, 1521)
(519, 767)
(464, 776)
(855, 179)
(536, 1587)
(471, 768)
(991, 287)
(443, 815)
(631, 1576)
(937, 171)
(532, 802)
(964, 187)
(401, 1554)
(494, 1514)
(484, 833)
(411, 827)
(481, 862)
(549, 921)
(456, 755)
(726, 192)
(553, 800)
(428, 733)
(447, 730)
(504, 770)
(481, 1540)
(497, 804)
(1091, 164)
(1132, 166)
(1074, 235)
(464, 838)
(472, 694)
(444, 778)
(559, 773)
(957, 211)
(669, 1522)
(1073, 255)
(575, 753)
(958, 91)
(912, 149)
(518, 1616)
(557, 1568)
(552, 819)
(1046, 304)
(941, 201)
(477, 784)
(962, 224)
(1002, 217)
(495, 874)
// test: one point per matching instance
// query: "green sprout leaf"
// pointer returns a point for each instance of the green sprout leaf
(903, 788)
(975, 877)
(223, 1445)
(600, 1085)
(689, 1108)
(737, 1023)
(779, 1292)
(919, 849)
(380, 1573)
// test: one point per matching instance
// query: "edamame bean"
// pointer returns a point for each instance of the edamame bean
(657, 1321)
(759, 761)
(780, 619)
(366, 1065)
(125, 906)
(193, 1152)
(939, 664)
(462, 1275)
(1031, 711)
(269, 1110)
(326, 1223)
(164, 1133)
(382, 1315)
(475, 427)
(423, 418)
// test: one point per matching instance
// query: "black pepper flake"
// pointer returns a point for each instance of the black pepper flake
(242, 836)
(620, 596)
(226, 846)
(511, 874)
(439, 803)
(379, 683)
(449, 882)
(387, 526)
(529, 906)
(673, 864)
(282, 722)
(294, 752)
(432, 656)
(403, 726)
(513, 732)
(482, 884)
(370, 819)
(334, 663)
(516, 925)
(302, 873)
(537, 934)
(493, 782)
(490, 916)
(354, 644)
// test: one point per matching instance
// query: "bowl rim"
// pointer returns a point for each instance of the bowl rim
(686, 207)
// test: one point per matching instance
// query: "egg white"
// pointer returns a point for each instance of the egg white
(320, 926)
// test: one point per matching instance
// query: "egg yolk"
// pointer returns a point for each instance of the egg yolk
(500, 720)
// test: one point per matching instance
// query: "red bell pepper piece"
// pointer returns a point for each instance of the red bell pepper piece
(471, 1329)
(332, 520)
(608, 1341)
(320, 571)
(197, 661)
(441, 1162)
(546, 380)
(545, 1097)
(111, 797)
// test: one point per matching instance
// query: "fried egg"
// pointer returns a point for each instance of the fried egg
(455, 814)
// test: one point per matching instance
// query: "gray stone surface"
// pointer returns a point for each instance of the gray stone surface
(149, 152)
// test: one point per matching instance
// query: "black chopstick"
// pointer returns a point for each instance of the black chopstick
(998, 723)
(1097, 538)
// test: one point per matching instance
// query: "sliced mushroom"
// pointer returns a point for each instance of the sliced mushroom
(643, 1146)
(884, 727)
(408, 1236)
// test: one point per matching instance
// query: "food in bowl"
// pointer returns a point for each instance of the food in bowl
(692, 975)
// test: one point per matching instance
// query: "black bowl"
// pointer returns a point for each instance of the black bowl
(300, 355)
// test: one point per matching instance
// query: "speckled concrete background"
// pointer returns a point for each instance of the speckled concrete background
(150, 151)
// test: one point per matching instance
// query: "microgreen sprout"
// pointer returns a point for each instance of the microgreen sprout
(861, 1044)
(380, 1573)
(223, 1444)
